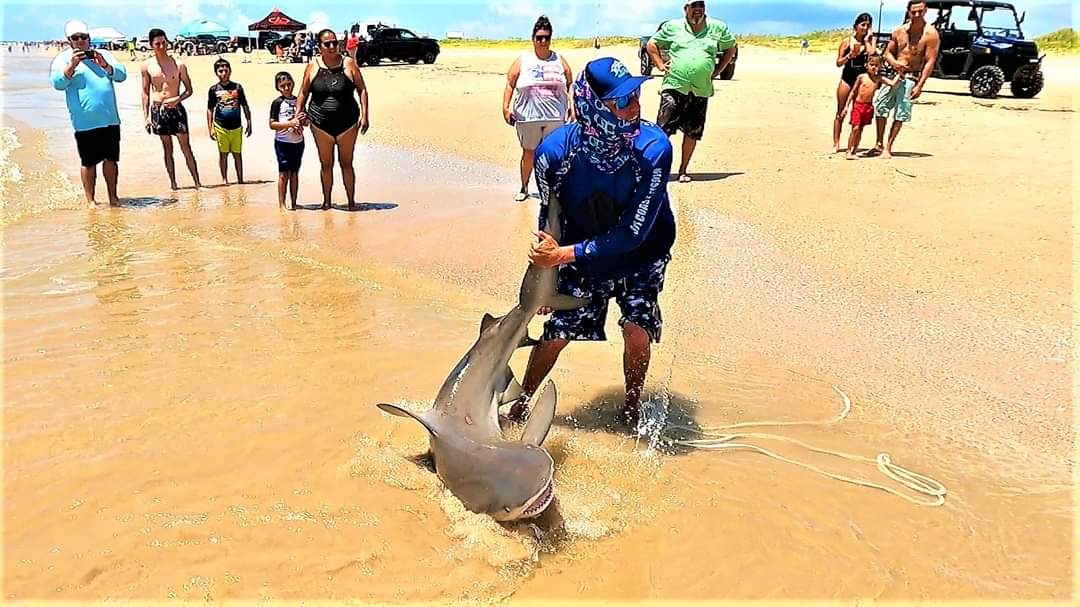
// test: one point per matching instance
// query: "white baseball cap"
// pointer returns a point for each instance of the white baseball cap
(75, 27)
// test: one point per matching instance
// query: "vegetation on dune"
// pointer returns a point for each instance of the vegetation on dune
(827, 40)
(1065, 40)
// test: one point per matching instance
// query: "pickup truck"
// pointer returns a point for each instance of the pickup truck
(647, 66)
(395, 44)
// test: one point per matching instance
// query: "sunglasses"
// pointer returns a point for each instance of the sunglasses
(74, 37)
(542, 38)
(329, 43)
(622, 102)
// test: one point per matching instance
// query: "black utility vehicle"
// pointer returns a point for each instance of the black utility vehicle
(981, 42)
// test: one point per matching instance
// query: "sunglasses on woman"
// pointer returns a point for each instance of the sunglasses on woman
(542, 38)
(624, 101)
(329, 43)
(76, 37)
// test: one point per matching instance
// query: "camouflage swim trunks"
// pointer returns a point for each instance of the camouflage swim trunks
(636, 294)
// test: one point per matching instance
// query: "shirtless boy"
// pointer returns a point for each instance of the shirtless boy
(861, 98)
(917, 43)
(163, 110)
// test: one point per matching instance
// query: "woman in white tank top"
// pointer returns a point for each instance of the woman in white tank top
(542, 81)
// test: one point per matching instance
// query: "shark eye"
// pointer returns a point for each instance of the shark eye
(507, 509)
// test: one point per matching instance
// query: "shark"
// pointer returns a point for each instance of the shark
(489, 473)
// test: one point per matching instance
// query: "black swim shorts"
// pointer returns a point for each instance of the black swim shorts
(168, 120)
(637, 295)
(679, 112)
(96, 145)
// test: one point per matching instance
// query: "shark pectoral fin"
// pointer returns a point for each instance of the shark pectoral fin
(396, 410)
(566, 302)
(527, 341)
(543, 414)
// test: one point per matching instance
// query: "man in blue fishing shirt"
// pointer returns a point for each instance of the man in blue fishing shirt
(609, 171)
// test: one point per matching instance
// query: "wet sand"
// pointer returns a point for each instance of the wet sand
(189, 380)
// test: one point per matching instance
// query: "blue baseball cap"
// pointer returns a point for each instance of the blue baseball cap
(610, 79)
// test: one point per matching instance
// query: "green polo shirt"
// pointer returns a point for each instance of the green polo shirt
(693, 56)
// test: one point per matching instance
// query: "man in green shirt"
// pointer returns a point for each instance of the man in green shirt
(693, 45)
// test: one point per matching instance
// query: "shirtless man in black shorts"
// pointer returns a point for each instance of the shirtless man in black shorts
(163, 111)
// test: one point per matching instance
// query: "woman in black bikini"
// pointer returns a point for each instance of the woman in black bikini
(854, 51)
(330, 83)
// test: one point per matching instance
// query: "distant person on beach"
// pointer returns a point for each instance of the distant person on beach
(224, 103)
(851, 56)
(541, 79)
(288, 123)
(804, 46)
(309, 47)
(609, 171)
(694, 45)
(861, 100)
(914, 45)
(162, 103)
(351, 44)
(328, 98)
(86, 76)
(131, 49)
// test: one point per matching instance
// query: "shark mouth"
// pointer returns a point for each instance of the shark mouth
(541, 502)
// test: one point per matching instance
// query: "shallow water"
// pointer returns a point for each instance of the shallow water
(189, 389)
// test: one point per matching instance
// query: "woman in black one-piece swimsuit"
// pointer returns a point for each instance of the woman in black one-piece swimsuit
(852, 56)
(328, 91)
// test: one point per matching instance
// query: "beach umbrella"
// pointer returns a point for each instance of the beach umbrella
(203, 26)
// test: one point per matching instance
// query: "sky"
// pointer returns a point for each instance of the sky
(44, 19)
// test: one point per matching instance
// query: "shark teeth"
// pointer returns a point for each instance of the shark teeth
(541, 502)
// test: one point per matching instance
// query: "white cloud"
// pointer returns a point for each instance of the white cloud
(317, 21)
(780, 28)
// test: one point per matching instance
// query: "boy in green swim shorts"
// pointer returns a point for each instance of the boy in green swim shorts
(226, 99)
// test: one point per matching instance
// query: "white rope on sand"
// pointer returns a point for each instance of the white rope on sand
(718, 438)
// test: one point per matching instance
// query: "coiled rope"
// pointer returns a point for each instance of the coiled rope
(719, 438)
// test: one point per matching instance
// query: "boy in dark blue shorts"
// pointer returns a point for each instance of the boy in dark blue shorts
(289, 140)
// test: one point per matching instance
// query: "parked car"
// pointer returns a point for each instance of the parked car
(395, 44)
(647, 66)
(203, 44)
(987, 48)
(271, 39)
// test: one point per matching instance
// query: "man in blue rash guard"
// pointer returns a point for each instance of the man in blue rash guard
(609, 172)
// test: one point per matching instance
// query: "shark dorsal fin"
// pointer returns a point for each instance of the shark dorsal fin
(486, 322)
(543, 413)
(396, 410)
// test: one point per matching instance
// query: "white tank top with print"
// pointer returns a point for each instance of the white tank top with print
(541, 89)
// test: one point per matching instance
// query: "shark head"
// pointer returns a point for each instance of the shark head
(508, 480)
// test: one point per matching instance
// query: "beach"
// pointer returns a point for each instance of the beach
(190, 380)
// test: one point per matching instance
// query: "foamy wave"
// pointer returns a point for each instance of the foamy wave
(9, 171)
(31, 185)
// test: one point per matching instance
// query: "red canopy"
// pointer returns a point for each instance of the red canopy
(277, 21)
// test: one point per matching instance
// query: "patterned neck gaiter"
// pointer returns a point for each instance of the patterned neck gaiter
(608, 141)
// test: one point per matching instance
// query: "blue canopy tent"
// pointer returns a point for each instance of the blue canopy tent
(203, 26)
